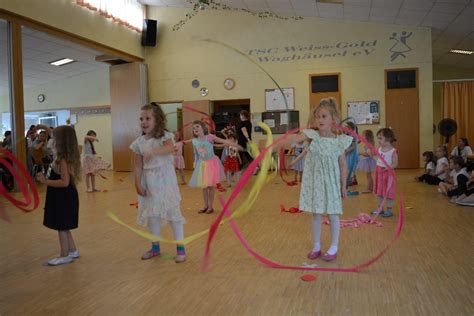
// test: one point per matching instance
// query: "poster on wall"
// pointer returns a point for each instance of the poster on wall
(256, 119)
(274, 100)
(364, 112)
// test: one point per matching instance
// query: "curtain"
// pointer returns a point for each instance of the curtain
(458, 104)
(126, 12)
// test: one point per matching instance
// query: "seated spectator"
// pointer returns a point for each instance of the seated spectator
(456, 184)
(429, 159)
(462, 149)
(467, 199)
(442, 168)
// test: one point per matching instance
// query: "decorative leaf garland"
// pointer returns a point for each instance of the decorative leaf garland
(201, 5)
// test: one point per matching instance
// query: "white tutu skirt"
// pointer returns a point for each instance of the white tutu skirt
(162, 198)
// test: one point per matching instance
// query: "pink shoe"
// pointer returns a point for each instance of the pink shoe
(328, 257)
(314, 255)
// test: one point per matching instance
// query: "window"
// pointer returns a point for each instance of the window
(401, 79)
(329, 83)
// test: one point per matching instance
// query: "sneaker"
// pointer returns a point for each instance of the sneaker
(352, 193)
(150, 254)
(74, 254)
(60, 260)
(465, 203)
(180, 258)
(453, 200)
(387, 214)
(314, 255)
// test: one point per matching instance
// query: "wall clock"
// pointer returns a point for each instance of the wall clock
(229, 83)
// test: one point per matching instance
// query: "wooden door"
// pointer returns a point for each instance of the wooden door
(324, 86)
(402, 115)
(188, 118)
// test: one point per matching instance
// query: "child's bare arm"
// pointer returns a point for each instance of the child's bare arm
(166, 148)
(343, 168)
(394, 160)
(137, 173)
(228, 143)
(290, 139)
(297, 159)
(91, 138)
(351, 148)
(60, 183)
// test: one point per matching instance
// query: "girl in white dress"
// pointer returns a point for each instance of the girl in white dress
(155, 179)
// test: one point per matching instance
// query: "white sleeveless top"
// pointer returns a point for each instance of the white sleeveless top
(387, 155)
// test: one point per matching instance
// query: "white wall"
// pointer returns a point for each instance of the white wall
(86, 90)
(171, 115)
(102, 125)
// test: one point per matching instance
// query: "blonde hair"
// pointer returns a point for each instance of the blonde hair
(67, 148)
(327, 103)
(160, 119)
(203, 125)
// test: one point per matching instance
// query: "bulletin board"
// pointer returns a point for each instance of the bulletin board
(364, 112)
(274, 100)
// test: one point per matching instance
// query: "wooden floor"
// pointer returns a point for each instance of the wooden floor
(429, 271)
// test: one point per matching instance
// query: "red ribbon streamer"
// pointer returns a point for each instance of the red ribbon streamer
(245, 178)
(21, 183)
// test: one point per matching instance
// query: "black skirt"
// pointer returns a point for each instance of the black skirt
(61, 209)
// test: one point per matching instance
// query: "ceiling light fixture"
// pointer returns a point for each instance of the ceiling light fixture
(62, 62)
(331, 1)
(461, 51)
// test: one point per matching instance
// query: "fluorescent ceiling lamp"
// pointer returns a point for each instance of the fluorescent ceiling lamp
(331, 1)
(62, 62)
(460, 51)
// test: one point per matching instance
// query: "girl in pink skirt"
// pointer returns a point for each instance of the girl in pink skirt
(178, 156)
(384, 183)
(92, 164)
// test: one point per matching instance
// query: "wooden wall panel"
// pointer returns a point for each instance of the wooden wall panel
(127, 94)
(403, 115)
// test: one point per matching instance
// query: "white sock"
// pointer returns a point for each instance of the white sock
(332, 250)
(316, 246)
(335, 229)
(317, 223)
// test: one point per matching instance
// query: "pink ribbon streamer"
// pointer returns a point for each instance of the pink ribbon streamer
(245, 178)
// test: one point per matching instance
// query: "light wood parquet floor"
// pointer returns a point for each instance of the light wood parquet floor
(429, 271)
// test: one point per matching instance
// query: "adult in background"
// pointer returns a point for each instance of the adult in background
(244, 136)
(462, 149)
(7, 141)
